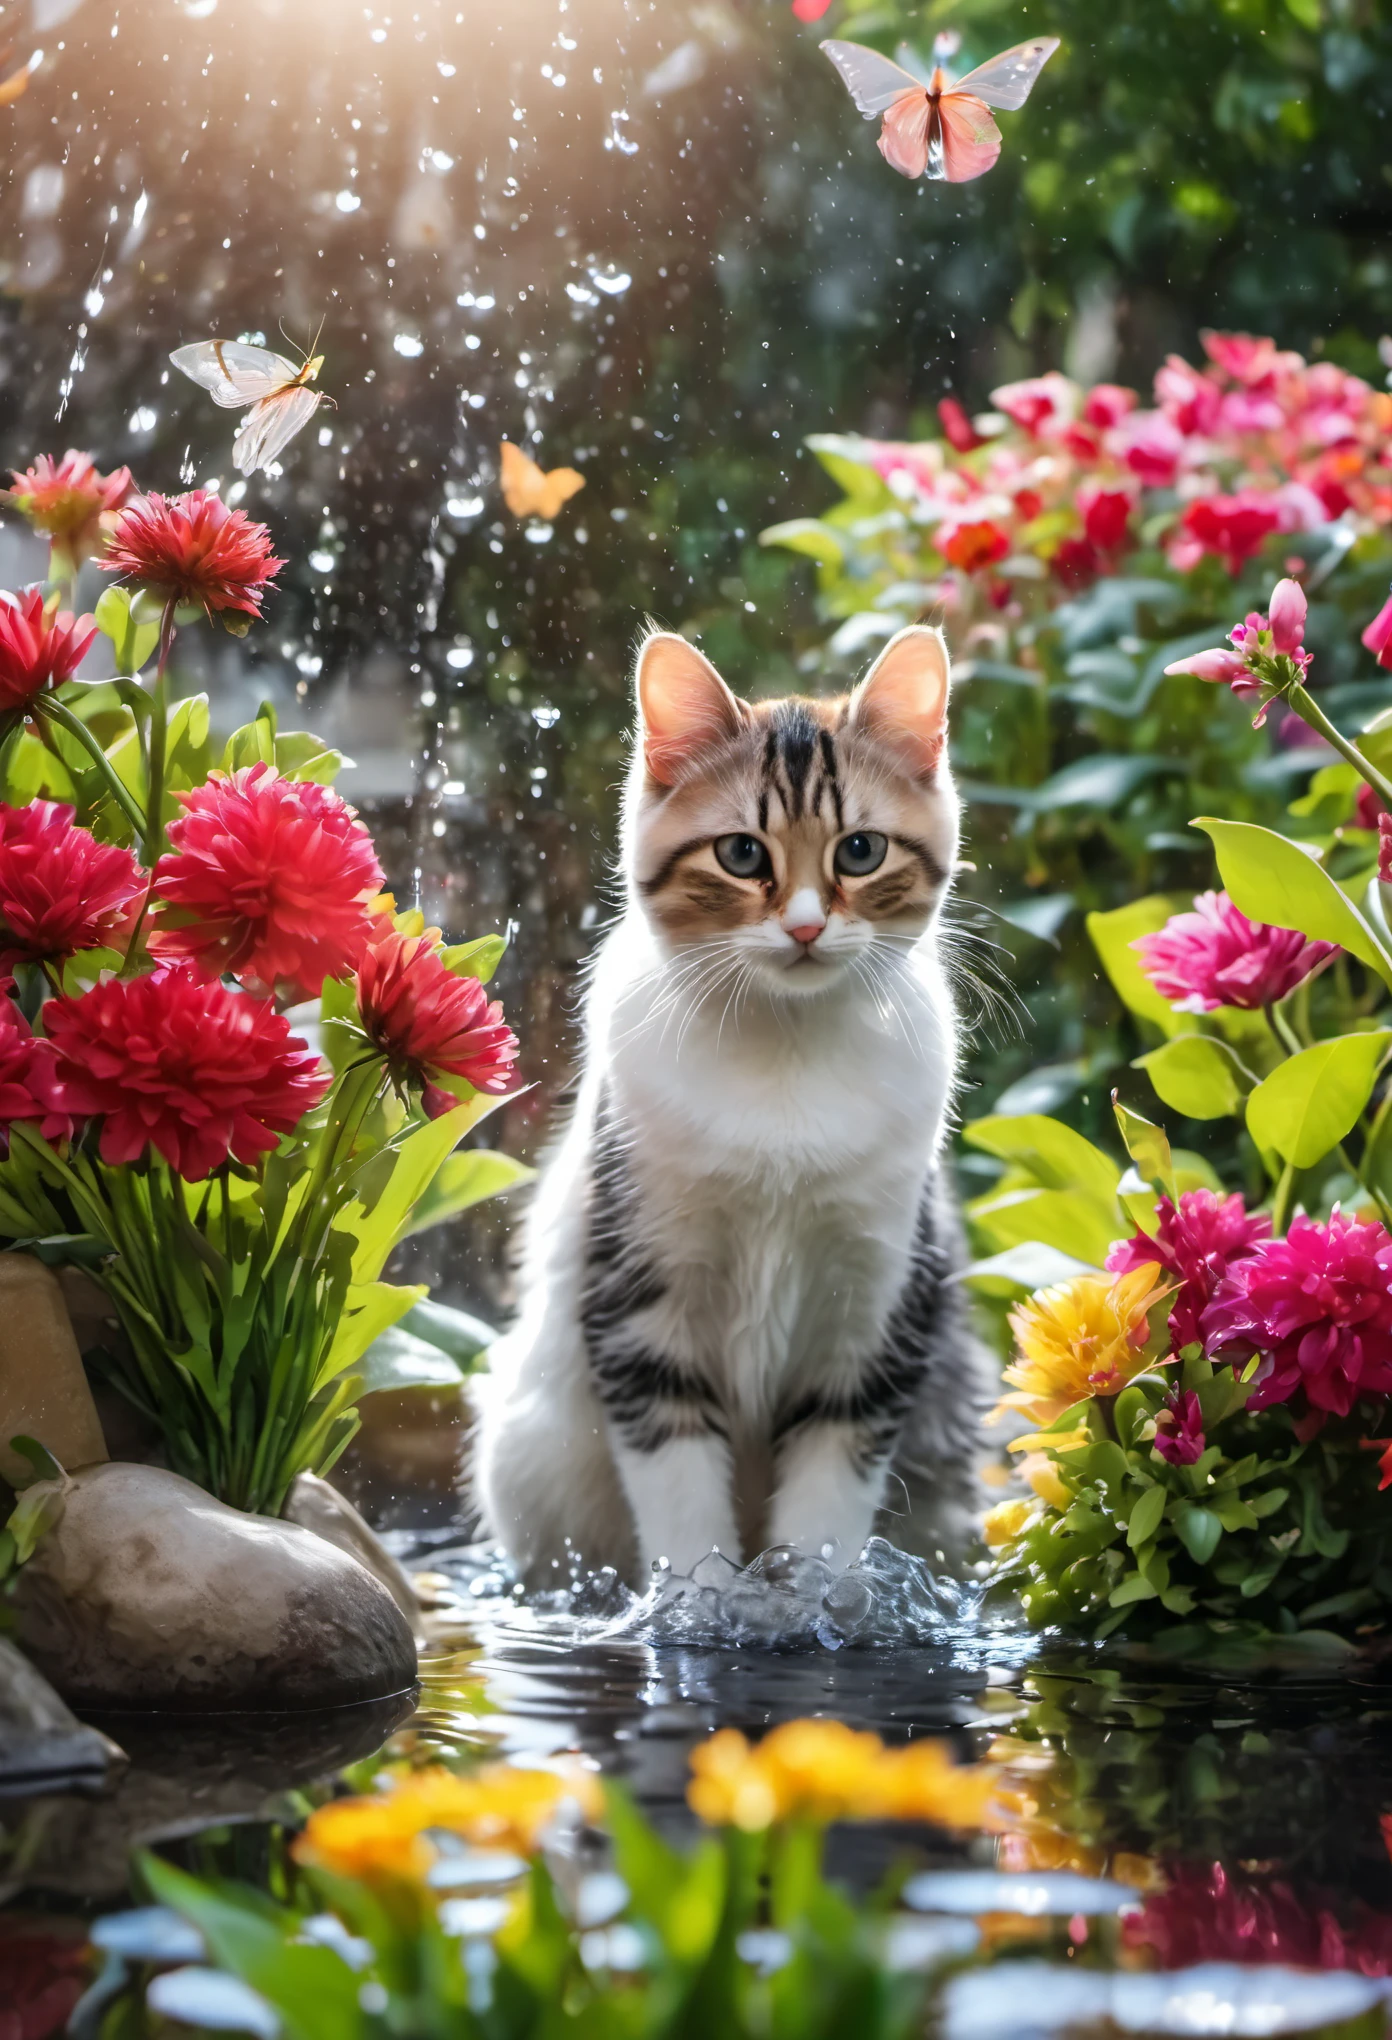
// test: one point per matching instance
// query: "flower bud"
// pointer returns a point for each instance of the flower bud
(1288, 607)
(1219, 664)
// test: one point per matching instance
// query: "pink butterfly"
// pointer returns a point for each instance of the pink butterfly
(940, 129)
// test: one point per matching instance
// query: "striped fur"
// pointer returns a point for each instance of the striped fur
(739, 1324)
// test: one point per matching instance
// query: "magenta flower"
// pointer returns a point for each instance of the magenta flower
(1179, 1431)
(1234, 527)
(1317, 1306)
(1217, 957)
(1378, 636)
(1384, 829)
(1197, 1241)
(1218, 664)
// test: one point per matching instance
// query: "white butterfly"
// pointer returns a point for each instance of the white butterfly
(234, 374)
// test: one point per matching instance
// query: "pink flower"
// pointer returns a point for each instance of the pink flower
(61, 890)
(972, 546)
(1378, 636)
(1197, 1241)
(1368, 810)
(1188, 397)
(810, 10)
(1151, 445)
(193, 550)
(1249, 358)
(266, 878)
(1107, 404)
(1384, 829)
(1287, 617)
(1179, 1431)
(1217, 957)
(29, 1086)
(1038, 401)
(69, 501)
(1317, 1306)
(1106, 515)
(1219, 664)
(196, 1071)
(37, 651)
(1234, 527)
(958, 430)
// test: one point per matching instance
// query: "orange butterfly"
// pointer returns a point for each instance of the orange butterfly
(530, 491)
(940, 129)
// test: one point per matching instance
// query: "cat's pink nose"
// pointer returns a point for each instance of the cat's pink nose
(808, 932)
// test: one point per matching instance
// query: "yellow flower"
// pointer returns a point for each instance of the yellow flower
(823, 1771)
(1084, 1338)
(1044, 1477)
(388, 1834)
(1004, 1523)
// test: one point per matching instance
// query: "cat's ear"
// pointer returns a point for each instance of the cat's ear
(683, 703)
(902, 701)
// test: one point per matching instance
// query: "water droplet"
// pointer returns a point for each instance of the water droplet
(544, 716)
(409, 344)
(612, 280)
(347, 201)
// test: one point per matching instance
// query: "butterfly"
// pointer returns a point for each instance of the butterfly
(940, 129)
(530, 491)
(282, 402)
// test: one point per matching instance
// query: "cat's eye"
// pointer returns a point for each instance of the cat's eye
(860, 854)
(742, 856)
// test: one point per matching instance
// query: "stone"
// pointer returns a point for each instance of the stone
(43, 1387)
(316, 1505)
(41, 1742)
(148, 1593)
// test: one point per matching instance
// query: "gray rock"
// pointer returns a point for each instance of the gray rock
(40, 1740)
(148, 1593)
(316, 1506)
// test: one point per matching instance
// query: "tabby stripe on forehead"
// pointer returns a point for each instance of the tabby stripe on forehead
(829, 777)
(797, 734)
(932, 870)
(770, 760)
(648, 886)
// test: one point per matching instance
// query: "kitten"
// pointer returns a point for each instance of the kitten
(738, 1326)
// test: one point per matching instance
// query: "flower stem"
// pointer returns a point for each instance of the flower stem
(159, 731)
(58, 712)
(1281, 1202)
(1305, 706)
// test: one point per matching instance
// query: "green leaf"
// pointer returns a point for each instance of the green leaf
(1272, 879)
(1196, 1075)
(1056, 1156)
(1307, 1105)
(478, 959)
(1065, 1219)
(370, 1309)
(1199, 1531)
(132, 641)
(1149, 1149)
(1146, 1516)
(298, 755)
(1135, 1587)
(394, 1183)
(449, 1330)
(396, 1359)
(462, 1181)
(806, 535)
(1112, 936)
(45, 1466)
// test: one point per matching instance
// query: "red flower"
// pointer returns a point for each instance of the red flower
(60, 889)
(196, 551)
(1106, 515)
(1378, 636)
(268, 878)
(958, 430)
(68, 499)
(1217, 957)
(1179, 1431)
(426, 1021)
(810, 10)
(973, 546)
(1076, 561)
(1317, 1306)
(1368, 813)
(37, 650)
(1038, 401)
(1234, 527)
(29, 1086)
(1384, 829)
(1210, 1914)
(1197, 1241)
(196, 1071)
(1151, 446)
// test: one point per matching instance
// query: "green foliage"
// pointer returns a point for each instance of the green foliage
(1266, 1527)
